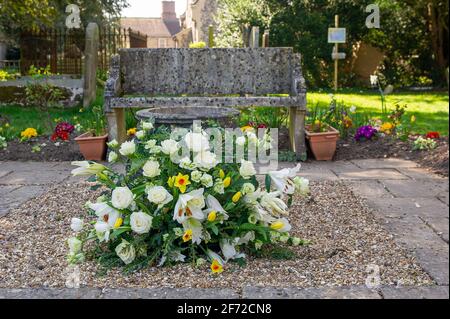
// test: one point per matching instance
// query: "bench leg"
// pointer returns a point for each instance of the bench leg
(116, 125)
(297, 132)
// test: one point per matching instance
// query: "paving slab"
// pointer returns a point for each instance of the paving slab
(440, 225)
(48, 293)
(45, 176)
(384, 163)
(443, 197)
(369, 189)
(367, 174)
(27, 166)
(419, 173)
(409, 188)
(401, 207)
(430, 292)
(352, 292)
(169, 293)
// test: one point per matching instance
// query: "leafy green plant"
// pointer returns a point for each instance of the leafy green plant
(96, 123)
(6, 75)
(424, 144)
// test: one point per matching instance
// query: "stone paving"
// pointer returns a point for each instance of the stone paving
(409, 201)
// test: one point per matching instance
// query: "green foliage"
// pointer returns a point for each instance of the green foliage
(424, 144)
(197, 45)
(6, 75)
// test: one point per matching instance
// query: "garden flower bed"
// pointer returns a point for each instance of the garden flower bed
(345, 238)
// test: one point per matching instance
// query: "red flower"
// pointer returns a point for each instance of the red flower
(54, 137)
(262, 126)
(433, 135)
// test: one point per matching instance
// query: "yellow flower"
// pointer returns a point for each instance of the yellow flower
(182, 181)
(187, 235)
(28, 133)
(171, 181)
(221, 174)
(387, 127)
(6, 124)
(236, 197)
(131, 131)
(118, 223)
(413, 118)
(247, 128)
(277, 225)
(216, 267)
(227, 182)
(212, 216)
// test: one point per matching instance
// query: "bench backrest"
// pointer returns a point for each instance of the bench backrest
(198, 72)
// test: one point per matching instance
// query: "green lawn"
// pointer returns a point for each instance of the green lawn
(430, 108)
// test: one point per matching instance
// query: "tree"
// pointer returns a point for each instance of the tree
(17, 15)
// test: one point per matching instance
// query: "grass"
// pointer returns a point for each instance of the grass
(430, 108)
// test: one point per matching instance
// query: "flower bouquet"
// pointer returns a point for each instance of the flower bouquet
(167, 208)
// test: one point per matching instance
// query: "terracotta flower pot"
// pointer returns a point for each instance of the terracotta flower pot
(323, 145)
(92, 147)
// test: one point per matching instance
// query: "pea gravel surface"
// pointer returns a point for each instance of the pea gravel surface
(345, 236)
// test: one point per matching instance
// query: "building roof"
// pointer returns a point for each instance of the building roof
(152, 27)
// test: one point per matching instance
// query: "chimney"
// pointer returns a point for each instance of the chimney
(168, 10)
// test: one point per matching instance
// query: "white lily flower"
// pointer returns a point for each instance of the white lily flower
(105, 213)
(205, 160)
(214, 206)
(261, 214)
(248, 237)
(189, 205)
(274, 204)
(197, 229)
(281, 225)
(86, 168)
(228, 248)
(283, 179)
(76, 224)
(214, 256)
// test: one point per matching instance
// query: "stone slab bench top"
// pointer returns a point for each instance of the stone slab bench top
(207, 76)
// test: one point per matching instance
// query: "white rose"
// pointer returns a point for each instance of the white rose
(147, 126)
(76, 224)
(141, 222)
(241, 140)
(151, 169)
(159, 195)
(205, 160)
(219, 187)
(248, 188)
(126, 252)
(127, 148)
(196, 176)
(207, 180)
(169, 147)
(74, 245)
(196, 142)
(186, 163)
(113, 144)
(112, 157)
(122, 197)
(140, 135)
(247, 169)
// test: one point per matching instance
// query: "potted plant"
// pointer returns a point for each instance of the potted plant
(322, 140)
(92, 143)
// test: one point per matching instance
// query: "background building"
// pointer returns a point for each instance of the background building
(159, 31)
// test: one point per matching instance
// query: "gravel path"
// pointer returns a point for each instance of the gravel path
(346, 239)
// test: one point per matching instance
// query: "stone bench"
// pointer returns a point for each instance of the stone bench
(146, 78)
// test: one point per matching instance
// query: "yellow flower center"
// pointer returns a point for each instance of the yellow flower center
(187, 235)
(212, 216)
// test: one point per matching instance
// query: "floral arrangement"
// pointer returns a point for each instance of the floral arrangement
(28, 134)
(433, 135)
(62, 131)
(3, 143)
(422, 144)
(162, 210)
(366, 132)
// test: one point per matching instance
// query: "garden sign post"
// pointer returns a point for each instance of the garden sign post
(336, 35)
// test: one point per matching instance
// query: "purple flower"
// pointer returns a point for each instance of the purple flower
(366, 132)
